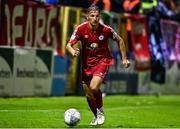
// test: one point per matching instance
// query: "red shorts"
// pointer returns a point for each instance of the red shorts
(98, 70)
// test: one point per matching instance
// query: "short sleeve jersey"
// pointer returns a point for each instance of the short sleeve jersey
(94, 44)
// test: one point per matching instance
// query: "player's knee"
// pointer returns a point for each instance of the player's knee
(94, 88)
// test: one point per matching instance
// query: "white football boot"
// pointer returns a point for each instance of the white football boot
(100, 117)
(94, 121)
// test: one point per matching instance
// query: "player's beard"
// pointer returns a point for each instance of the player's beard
(94, 25)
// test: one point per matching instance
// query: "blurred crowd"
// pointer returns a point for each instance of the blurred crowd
(165, 8)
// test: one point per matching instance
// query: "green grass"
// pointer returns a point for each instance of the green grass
(120, 111)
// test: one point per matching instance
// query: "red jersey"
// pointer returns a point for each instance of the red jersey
(94, 44)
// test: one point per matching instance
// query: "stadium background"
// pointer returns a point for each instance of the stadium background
(34, 61)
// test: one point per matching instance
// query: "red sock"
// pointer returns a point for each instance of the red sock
(98, 97)
(92, 105)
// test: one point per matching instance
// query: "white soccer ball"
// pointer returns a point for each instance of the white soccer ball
(72, 117)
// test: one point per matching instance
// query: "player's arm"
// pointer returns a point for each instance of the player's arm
(73, 40)
(122, 48)
(71, 50)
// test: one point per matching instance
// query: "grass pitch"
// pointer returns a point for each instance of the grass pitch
(120, 111)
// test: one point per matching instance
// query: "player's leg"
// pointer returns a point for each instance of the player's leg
(91, 102)
(90, 99)
(95, 87)
(85, 80)
(96, 83)
(99, 100)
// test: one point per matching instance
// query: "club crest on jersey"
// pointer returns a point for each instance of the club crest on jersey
(101, 37)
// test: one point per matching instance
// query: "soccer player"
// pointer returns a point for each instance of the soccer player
(96, 58)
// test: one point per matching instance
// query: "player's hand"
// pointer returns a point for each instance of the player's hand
(76, 52)
(126, 63)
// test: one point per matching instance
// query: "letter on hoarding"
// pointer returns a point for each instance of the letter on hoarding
(7, 12)
(16, 29)
(40, 27)
(29, 29)
(52, 15)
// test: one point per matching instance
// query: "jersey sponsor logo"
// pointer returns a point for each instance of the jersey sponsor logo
(101, 37)
(94, 46)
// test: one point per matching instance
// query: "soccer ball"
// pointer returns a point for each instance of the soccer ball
(72, 117)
